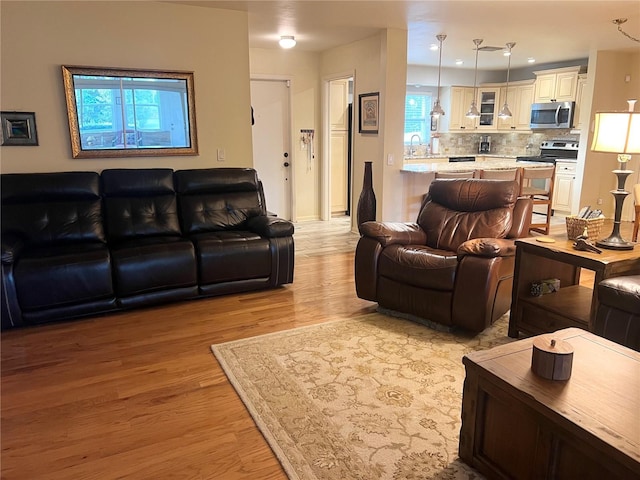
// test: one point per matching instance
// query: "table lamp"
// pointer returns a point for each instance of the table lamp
(617, 132)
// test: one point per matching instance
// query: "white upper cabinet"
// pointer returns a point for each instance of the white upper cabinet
(487, 102)
(582, 83)
(461, 98)
(557, 85)
(520, 97)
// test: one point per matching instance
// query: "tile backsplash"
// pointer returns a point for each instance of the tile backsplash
(508, 143)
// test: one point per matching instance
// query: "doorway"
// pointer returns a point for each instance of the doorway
(340, 127)
(271, 136)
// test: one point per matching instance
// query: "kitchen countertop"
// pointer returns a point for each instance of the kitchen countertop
(429, 167)
(484, 155)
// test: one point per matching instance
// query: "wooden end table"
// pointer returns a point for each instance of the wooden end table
(573, 305)
(517, 425)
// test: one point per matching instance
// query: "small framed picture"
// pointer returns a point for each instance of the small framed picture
(18, 128)
(369, 112)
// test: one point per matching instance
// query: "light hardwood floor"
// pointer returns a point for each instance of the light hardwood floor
(139, 395)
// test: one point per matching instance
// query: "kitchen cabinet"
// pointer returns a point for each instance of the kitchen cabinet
(339, 142)
(557, 85)
(580, 94)
(461, 98)
(563, 186)
(520, 97)
(487, 102)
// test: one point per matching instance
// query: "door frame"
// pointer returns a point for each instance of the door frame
(289, 125)
(325, 174)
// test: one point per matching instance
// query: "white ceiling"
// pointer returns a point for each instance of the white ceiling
(549, 31)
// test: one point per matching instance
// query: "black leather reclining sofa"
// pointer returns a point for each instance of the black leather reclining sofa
(76, 244)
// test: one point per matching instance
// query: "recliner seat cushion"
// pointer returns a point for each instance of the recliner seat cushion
(151, 264)
(419, 265)
(63, 275)
(232, 255)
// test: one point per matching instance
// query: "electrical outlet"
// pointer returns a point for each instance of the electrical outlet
(221, 155)
(599, 202)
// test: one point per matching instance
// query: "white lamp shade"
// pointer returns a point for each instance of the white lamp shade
(617, 132)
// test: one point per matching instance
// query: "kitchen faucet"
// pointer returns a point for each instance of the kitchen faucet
(411, 151)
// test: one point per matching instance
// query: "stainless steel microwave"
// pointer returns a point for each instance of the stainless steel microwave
(552, 115)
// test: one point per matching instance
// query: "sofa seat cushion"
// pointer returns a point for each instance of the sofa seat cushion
(232, 255)
(149, 264)
(419, 265)
(63, 275)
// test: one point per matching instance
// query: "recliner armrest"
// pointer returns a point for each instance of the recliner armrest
(487, 247)
(12, 245)
(270, 227)
(389, 233)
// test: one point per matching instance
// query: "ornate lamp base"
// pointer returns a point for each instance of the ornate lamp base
(615, 241)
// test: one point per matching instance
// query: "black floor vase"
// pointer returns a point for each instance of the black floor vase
(367, 200)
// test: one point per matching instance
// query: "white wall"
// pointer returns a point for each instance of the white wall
(379, 63)
(302, 68)
(38, 37)
(608, 72)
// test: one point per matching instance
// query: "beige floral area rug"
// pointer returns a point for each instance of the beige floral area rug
(368, 398)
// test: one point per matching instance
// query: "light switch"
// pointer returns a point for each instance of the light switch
(221, 155)
(390, 159)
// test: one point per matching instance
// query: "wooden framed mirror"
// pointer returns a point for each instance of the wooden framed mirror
(116, 112)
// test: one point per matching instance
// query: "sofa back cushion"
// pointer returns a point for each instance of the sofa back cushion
(218, 199)
(140, 203)
(458, 210)
(52, 208)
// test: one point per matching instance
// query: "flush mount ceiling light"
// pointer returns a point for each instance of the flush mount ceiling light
(531, 60)
(437, 108)
(287, 41)
(505, 112)
(473, 109)
(620, 21)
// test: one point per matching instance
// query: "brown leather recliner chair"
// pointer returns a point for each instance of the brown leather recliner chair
(454, 266)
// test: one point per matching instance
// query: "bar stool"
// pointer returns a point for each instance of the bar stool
(537, 184)
(469, 174)
(501, 174)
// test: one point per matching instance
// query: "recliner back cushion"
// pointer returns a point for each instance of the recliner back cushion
(140, 203)
(53, 208)
(218, 199)
(458, 210)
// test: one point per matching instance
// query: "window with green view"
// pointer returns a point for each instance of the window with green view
(417, 107)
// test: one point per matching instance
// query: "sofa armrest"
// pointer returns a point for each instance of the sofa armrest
(270, 227)
(487, 247)
(389, 233)
(12, 245)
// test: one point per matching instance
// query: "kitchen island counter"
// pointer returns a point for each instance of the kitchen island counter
(418, 176)
(498, 163)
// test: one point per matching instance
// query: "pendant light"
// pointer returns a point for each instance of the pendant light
(437, 109)
(505, 112)
(473, 109)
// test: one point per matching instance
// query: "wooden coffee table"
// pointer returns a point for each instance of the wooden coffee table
(517, 425)
(574, 305)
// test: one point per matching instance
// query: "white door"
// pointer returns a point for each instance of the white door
(271, 143)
